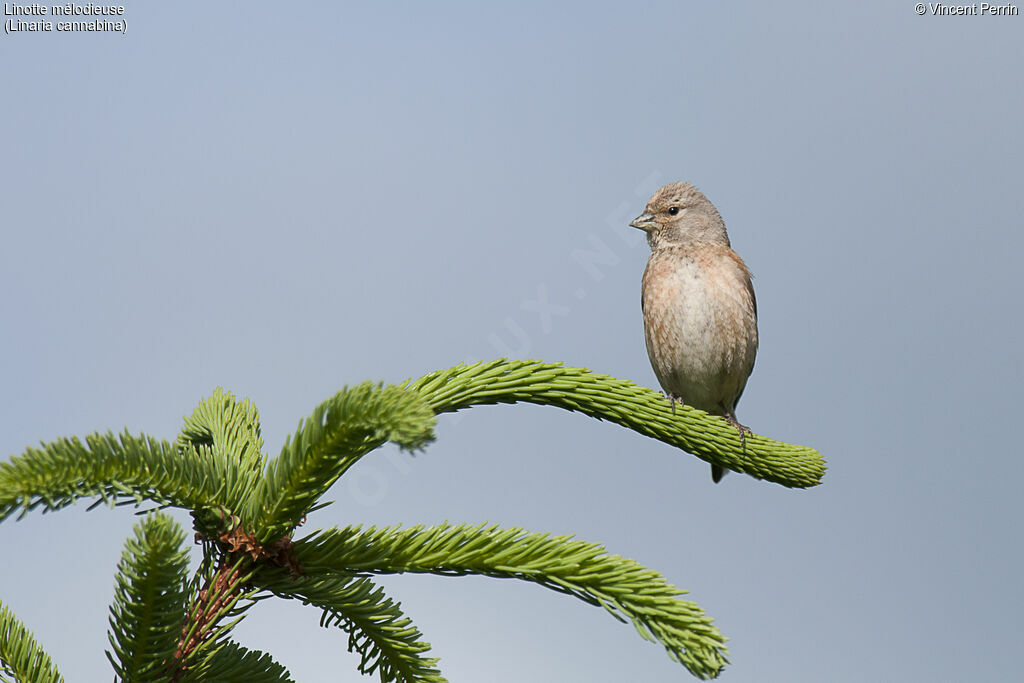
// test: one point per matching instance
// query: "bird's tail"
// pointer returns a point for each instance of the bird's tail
(717, 472)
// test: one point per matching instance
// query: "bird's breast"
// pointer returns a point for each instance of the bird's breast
(700, 323)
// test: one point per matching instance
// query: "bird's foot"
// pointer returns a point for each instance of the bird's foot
(742, 429)
(673, 399)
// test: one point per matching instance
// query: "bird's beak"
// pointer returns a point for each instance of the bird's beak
(645, 222)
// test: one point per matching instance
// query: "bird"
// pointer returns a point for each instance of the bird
(698, 303)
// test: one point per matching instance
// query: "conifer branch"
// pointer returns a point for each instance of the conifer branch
(232, 662)
(213, 611)
(115, 469)
(341, 430)
(246, 509)
(627, 590)
(384, 638)
(708, 437)
(149, 600)
(227, 430)
(20, 654)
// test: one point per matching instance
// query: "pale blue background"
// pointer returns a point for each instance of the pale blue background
(282, 200)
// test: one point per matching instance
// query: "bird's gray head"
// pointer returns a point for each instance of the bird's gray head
(678, 213)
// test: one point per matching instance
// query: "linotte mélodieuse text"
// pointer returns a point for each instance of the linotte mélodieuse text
(84, 17)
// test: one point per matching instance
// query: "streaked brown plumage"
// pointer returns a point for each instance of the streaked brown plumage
(700, 314)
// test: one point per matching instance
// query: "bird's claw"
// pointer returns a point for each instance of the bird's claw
(741, 429)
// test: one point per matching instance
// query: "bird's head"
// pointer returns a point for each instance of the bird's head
(679, 213)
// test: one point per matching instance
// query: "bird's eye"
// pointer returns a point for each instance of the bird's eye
(673, 210)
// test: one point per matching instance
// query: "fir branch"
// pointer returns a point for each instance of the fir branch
(149, 600)
(116, 469)
(385, 640)
(584, 570)
(20, 654)
(340, 431)
(232, 662)
(227, 430)
(243, 504)
(213, 611)
(708, 437)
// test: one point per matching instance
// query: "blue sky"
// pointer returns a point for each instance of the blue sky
(285, 202)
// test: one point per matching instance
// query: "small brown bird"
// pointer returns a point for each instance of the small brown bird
(700, 314)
